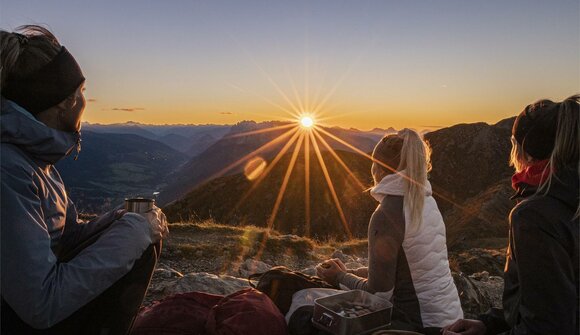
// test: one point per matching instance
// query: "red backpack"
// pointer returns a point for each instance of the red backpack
(180, 314)
(248, 311)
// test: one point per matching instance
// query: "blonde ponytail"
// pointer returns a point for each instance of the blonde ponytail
(416, 162)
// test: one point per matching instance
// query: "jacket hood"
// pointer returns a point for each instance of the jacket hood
(22, 129)
(394, 184)
(565, 187)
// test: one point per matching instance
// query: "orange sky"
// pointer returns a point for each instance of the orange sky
(377, 63)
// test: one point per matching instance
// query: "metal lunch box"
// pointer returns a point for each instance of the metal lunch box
(139, 205)
(352, 312)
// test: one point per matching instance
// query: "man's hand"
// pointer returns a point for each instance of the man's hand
(466, 327)
(158, 223)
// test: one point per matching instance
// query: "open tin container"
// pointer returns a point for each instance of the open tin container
(332, 313)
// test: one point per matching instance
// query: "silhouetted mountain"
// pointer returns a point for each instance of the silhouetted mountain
(380, 132)
(481, 221)
(468, 159)
(226, 199)
(241, 141)
(470, 178)
(210, 163)
(120, 128)
(113, 166)
(188, 139)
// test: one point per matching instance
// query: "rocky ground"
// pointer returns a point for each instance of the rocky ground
(218, 259)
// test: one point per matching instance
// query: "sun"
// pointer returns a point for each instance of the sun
(306, 121)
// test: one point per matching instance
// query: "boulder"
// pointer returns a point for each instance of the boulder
(165, 272)
(251, 266)
(476, 260)
(200, 281)
(478, 292)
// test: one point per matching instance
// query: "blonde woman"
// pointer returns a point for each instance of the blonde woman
(407, 246)
(59, 275)
(541, 273)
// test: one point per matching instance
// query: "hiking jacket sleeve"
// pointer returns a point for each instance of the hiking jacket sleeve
(39, 289)
(540, 294)
(386, 234)
(78, 234)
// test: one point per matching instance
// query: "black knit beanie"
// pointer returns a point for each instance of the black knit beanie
(47, 86)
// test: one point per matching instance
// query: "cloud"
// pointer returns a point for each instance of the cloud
(226, 113)
(92, 100)
(130, 109)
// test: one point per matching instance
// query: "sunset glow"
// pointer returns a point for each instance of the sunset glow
(382, 64)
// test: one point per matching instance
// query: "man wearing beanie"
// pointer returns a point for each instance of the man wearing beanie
(59, 275)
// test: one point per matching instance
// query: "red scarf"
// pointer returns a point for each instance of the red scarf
(533, 175)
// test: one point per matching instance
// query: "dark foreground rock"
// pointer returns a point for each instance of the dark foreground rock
(477, 260)
(478, 292)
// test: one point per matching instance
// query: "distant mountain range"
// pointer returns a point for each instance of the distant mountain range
(244, 138)
(188, 139)
(120, 160)
(470, 178)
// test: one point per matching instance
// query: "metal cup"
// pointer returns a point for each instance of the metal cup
(139, 205)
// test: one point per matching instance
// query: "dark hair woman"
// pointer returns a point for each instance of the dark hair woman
(541, 273)
(59, 275)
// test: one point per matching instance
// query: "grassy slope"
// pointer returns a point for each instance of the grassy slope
(216, 248)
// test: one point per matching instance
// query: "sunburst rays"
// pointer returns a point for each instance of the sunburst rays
(307, 137)
(300, 138)
(331, 188)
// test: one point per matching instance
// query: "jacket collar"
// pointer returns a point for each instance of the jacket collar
(22, 129)
(564, 187)
(523, 191)
(394, 184)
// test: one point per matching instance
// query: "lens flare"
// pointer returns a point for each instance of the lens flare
(306, 121)
(254, 168)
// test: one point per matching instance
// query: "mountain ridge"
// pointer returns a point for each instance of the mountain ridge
(468, 161)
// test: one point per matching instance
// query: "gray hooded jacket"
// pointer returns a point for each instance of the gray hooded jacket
(37, 215)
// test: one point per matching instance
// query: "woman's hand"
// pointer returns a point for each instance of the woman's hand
(465, 326)
(158, 223)
(329, 270)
